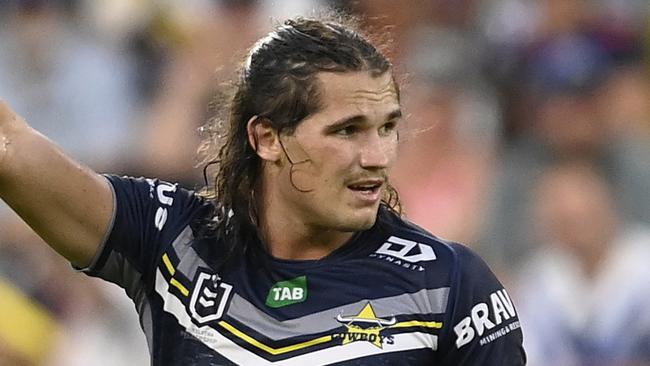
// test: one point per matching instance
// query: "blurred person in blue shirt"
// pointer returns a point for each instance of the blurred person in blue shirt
(566, 82)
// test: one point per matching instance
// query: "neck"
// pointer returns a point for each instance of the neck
(288, 235)
(298, 242)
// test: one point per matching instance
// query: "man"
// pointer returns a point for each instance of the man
(298, 255)
(586, 251)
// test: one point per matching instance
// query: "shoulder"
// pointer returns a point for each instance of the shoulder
(408, 241)
(156, 201)
(152, 188)
(480, 323)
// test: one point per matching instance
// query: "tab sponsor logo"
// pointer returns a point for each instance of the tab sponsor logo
(486, 316)
(288, 292)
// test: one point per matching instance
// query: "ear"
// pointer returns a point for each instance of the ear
(263, 138)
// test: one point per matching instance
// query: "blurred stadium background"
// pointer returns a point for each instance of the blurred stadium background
(525, 137)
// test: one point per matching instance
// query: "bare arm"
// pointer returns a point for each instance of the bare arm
(66, 203)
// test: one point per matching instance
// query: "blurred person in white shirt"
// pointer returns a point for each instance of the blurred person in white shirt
(585, 293)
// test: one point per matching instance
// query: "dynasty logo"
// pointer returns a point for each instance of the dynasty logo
(405, 253)
(365, 326)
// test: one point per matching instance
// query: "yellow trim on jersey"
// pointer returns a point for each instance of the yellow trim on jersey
(174, 282)
(274, 351)
(168, 264)
(417, 323)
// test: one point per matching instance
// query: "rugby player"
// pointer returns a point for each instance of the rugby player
(298, 254)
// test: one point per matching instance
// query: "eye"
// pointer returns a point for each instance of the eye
(347, 130)
(387, 128)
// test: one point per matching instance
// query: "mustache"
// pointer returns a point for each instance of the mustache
(367, 175)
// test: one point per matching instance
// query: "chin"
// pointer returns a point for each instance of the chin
(367, 225)
(361, 222)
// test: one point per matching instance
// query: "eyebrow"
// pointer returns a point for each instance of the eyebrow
(396, 114)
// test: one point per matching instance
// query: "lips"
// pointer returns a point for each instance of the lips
(365, 186)
(367, 190)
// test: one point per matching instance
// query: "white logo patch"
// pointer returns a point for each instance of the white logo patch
(161, 213)
(404, 253)
(209, 298)
(400, 248)
(483, 318)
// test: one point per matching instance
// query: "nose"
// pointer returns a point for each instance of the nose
(378, 152)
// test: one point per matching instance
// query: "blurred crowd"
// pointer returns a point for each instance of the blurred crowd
(526, 137)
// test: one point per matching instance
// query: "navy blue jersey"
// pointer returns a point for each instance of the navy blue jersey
(392, 295)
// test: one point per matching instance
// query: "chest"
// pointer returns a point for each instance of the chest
(339, 313)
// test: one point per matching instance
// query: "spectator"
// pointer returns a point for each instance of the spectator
(584, 295)
(566, 80)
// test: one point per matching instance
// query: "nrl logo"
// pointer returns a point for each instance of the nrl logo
(365, 326)
(210, 298)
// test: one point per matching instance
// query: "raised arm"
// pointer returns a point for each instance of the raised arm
(66, 203)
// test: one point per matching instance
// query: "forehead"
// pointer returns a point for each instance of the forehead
(357, 92)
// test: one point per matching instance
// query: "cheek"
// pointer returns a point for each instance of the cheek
(391, 151)
(334, 162)
(323, 174)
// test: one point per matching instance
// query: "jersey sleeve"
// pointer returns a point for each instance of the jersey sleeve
(148, 215)
(484, 328)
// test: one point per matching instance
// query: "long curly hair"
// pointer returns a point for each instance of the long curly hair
(277, 81)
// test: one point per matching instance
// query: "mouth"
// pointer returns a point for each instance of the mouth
(367, 190)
